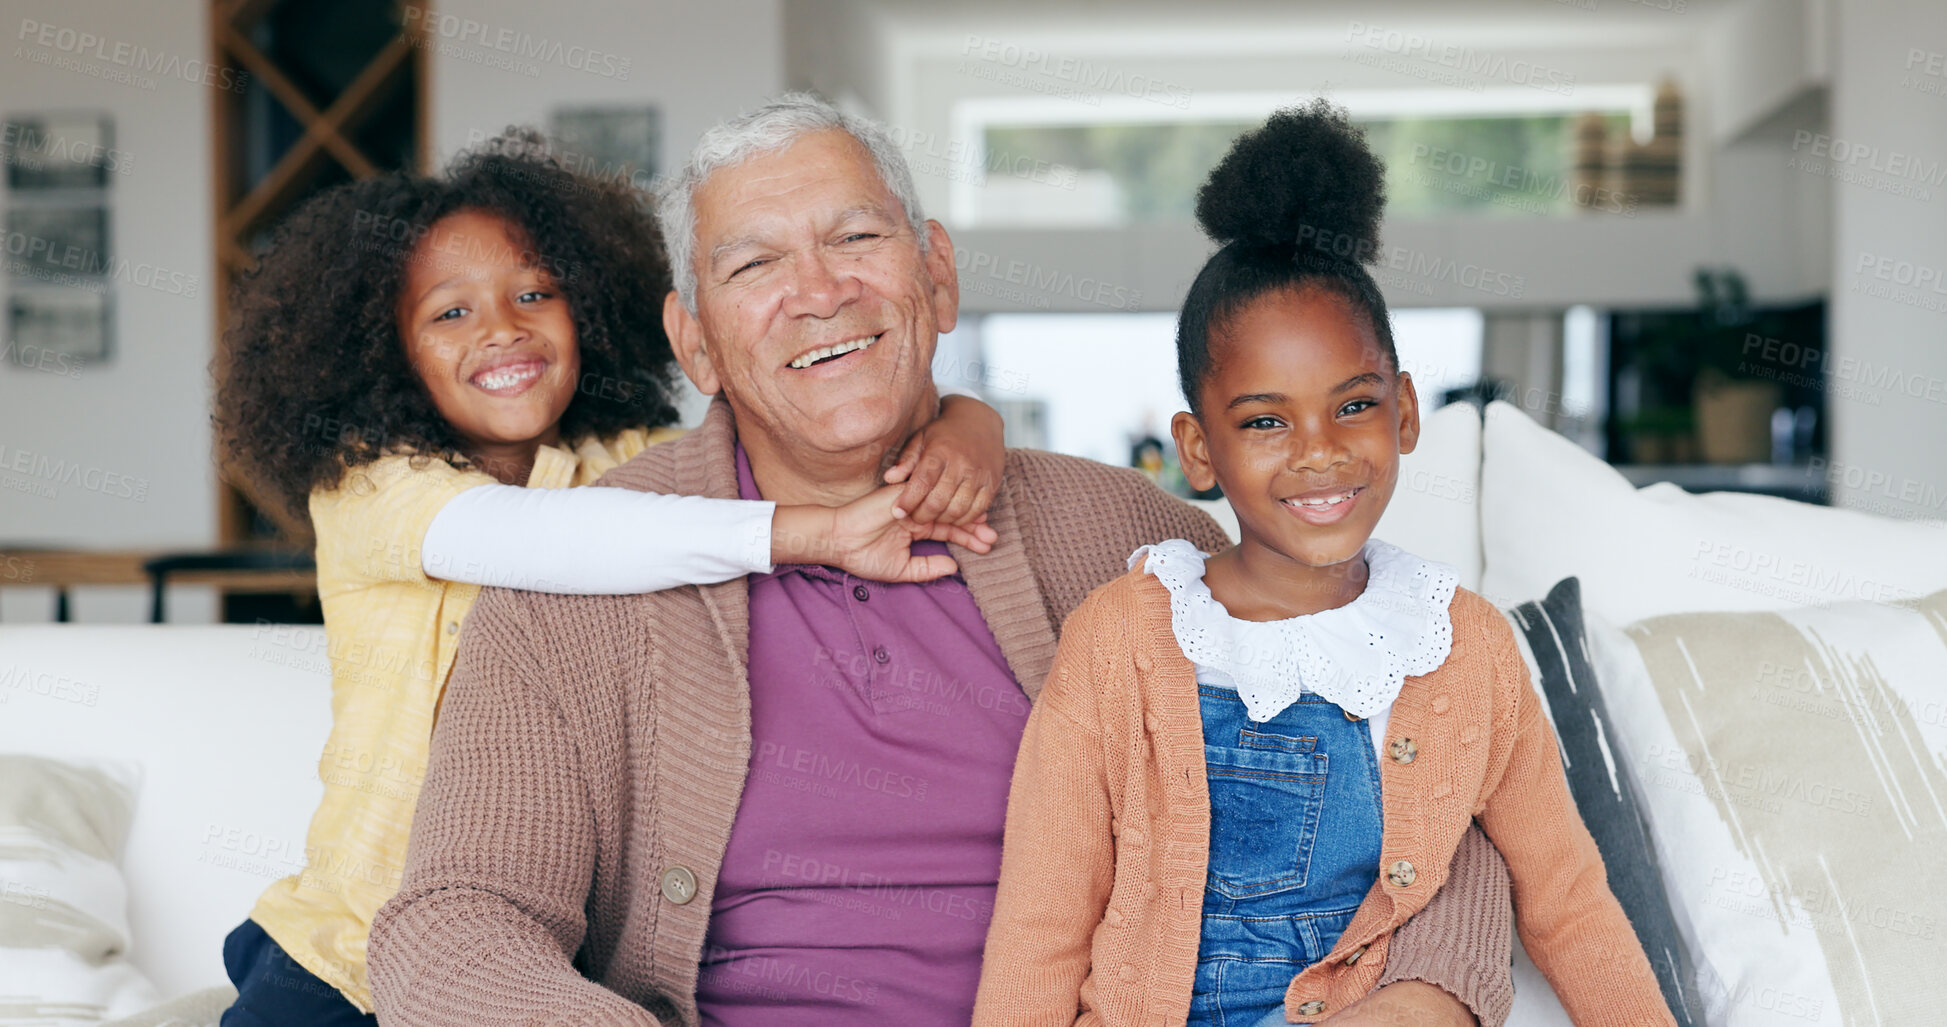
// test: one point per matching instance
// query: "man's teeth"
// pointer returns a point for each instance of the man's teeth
(832, 351)
(1323, 502)
(506, 377)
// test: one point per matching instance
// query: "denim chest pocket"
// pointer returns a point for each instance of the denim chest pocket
(1265, 796)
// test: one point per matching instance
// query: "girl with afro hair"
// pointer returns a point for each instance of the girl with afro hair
(1248, 769)
(424, 366)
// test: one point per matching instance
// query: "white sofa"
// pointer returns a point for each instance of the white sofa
(227, 722)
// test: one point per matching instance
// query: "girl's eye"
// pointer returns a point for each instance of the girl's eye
(450, 313)
(534, 296)
(1265, 422)
(1357, 406)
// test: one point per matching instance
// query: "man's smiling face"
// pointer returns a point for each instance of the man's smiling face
(817, 309)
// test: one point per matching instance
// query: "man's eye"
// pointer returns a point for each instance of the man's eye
(746, 266)
(858, 236)
(1357, 406)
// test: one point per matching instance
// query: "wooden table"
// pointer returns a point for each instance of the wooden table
(63, 569)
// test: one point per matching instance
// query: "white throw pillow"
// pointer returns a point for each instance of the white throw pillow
(1435, 512)
(1792, 766)
(1551, 510)
(63, 903)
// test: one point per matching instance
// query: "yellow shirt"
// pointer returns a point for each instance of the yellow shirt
(391, 633)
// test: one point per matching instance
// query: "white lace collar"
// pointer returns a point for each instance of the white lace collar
(1355, 656)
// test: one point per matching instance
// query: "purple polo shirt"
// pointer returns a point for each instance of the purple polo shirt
(860, 874)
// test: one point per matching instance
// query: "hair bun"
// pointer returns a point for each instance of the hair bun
(1305, 179)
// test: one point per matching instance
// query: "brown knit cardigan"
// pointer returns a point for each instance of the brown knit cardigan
(1099, 911)
(591, 752)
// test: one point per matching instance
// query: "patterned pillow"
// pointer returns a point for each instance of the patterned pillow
(63, 903)
(1792, 764)
(1551, 637)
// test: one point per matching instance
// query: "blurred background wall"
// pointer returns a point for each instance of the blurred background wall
(1560, 174)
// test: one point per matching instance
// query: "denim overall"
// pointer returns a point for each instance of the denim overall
(1294, 848)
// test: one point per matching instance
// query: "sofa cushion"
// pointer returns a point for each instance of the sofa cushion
(1549, 509)
(1792, 766)
(64, 932)
(1552, 640)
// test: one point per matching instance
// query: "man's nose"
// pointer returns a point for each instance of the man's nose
(819, 289)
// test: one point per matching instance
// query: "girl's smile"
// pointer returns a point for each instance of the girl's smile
(1303, 421)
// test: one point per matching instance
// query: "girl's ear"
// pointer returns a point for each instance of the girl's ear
(1409, 414)
(1193, 451)
(686, 339)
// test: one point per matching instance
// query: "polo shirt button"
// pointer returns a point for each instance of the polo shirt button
(1352, 957)
(861, 593)
(1440, 704)
(1129, 973)
(1312, 1008)
(679, 884)
(452, 627)
(1401, 874)
(880, 655)
(1403, 750)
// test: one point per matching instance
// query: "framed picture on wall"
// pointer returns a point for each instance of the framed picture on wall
(622, 144)
(59, 151)
(57, 243)
(64, 322)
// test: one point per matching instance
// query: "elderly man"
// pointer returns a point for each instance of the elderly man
(779, 800)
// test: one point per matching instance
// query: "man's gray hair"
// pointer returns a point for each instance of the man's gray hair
(768, 129)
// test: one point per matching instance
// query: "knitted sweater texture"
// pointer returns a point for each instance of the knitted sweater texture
(591, 751)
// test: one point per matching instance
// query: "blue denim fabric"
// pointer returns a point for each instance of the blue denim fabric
(1294, 847)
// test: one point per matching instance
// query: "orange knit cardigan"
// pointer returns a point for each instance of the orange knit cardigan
(1108, 832)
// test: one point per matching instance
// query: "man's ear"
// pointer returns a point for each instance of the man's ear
(946, 279)
(1193, 451)
(686, 339)
(1409, 414)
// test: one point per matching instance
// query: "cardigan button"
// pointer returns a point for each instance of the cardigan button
(1401, 874)
(679, 884)
(1403, 750)
(1312, 1008)
(1352, 957)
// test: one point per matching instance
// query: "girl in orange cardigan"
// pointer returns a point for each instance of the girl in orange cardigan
(1245, 771)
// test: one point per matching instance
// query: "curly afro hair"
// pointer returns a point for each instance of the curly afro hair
(1295, 204)
(313, 379)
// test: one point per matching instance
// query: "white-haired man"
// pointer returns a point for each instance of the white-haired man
(779, 800)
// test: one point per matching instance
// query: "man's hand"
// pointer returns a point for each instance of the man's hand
(866, 538)
(1405, 1004)
(952, 467)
